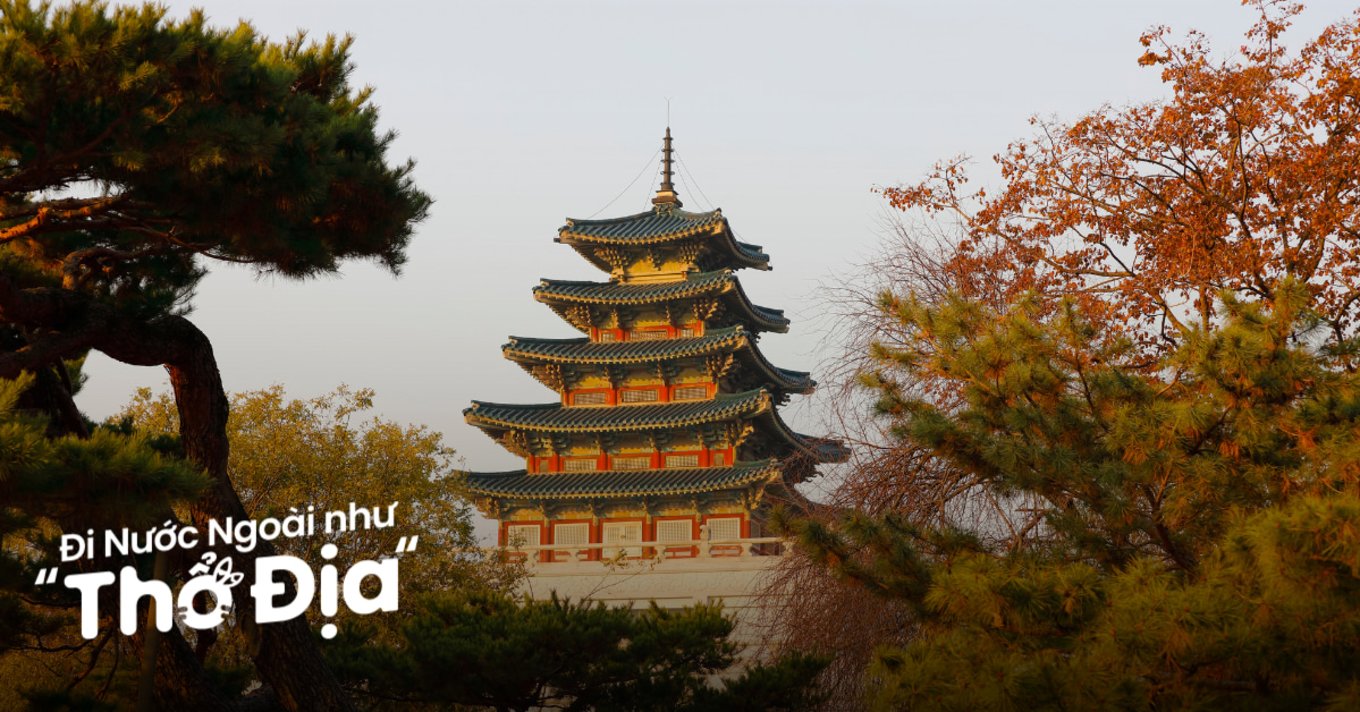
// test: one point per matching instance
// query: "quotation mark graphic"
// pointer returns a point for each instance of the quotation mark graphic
(403, 546)
(46, 576)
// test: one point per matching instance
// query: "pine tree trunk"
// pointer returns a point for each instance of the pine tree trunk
(287, 656)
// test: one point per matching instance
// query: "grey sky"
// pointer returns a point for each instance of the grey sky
(520, 114)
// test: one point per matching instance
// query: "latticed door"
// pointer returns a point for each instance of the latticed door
(724, 529)
(619, 534)
(675, 530)
(519, 536)
(567, 536)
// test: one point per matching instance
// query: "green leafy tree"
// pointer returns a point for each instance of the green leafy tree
(523, 654)
(329, 451)
(288, 453)
(457, 614)
(134, 151)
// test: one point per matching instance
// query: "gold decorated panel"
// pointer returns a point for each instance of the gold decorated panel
(621, 510)
(660, 264)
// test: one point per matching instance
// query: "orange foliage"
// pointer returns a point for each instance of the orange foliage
(1248, 173)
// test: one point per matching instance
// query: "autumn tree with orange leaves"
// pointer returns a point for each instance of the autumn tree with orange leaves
(1119, 406)
(1246, 175)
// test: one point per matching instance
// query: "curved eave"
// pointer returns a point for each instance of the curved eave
(560, 294)
(748, 254)
(657, 223)
(819, 450)
(616, 294)
(518, 484)
(768, 319)
(621, 353)
(556, 418)
(788, 381)
(529, 352)
(799, 381)
(644, 230)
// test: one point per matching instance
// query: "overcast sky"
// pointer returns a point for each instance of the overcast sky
(521, 114)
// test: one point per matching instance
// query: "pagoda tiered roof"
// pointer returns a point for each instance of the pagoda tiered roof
(726, 407)
(668, 408)
(557, 418)
(621, 483)
(662, 225)
(562, 294)
(583, 352)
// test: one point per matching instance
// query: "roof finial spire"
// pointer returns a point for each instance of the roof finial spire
(666, 195)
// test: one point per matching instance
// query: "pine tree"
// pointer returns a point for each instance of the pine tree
(1195, 524)
(106, 480)
(557, 654)
(134, 149)
(1098, 377)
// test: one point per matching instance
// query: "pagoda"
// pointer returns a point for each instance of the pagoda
(665, 431)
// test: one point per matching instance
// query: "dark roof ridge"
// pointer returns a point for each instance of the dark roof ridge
(559, 418)
(582, 350)
(721, 332)
(715, 275)
(622, 483)
(754, 395)
(616, 293)
(654, 210)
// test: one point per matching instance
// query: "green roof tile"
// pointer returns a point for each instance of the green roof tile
(701, 284)
(657, 222)
(583, 351)
(628, 483)
(663, 224)
(555, 417)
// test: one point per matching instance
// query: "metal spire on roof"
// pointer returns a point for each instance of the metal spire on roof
(666, 195)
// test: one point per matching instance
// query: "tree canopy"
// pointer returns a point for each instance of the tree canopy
(330, 450)
(135, 149)
(1113, 459)
(325, 450)
(1242, 177)
(557, 654)
(130, 144)
(1187, 536)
